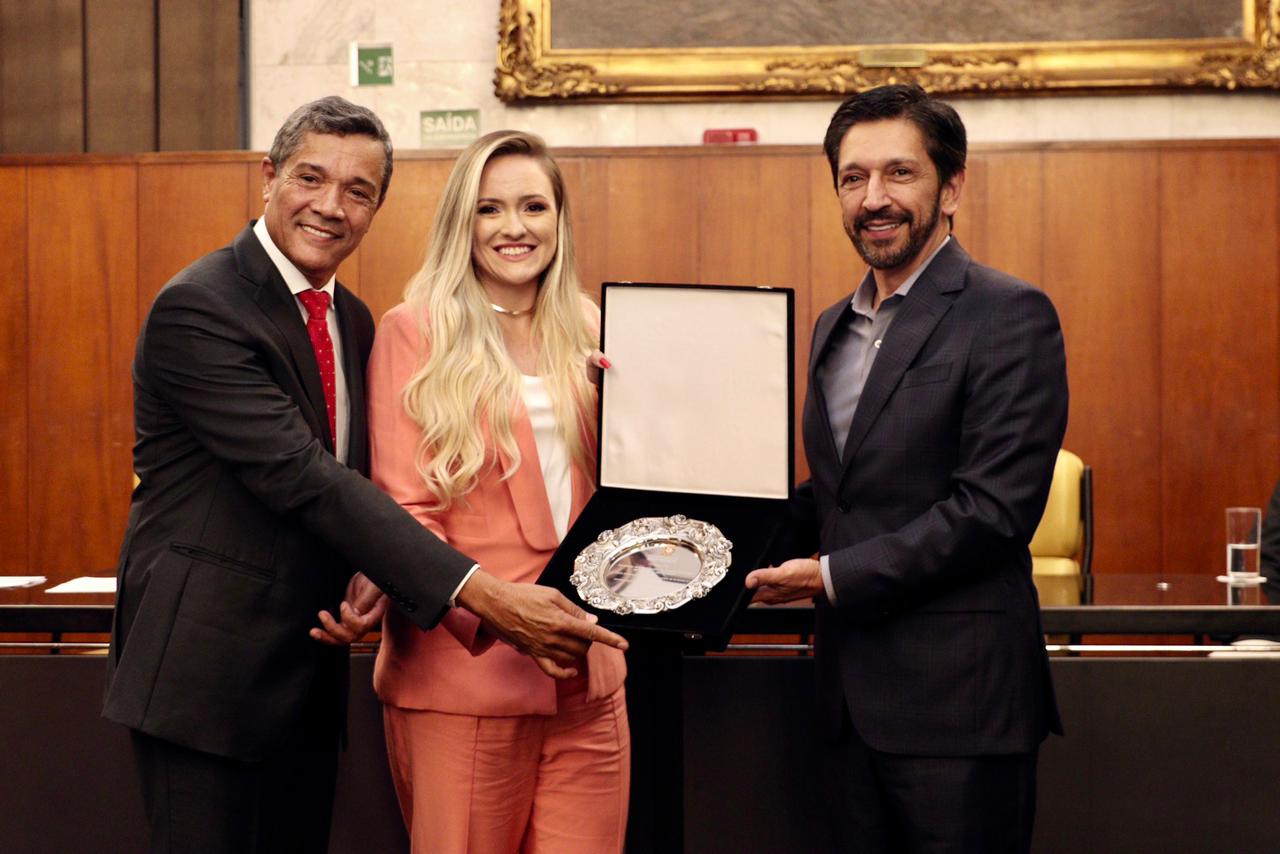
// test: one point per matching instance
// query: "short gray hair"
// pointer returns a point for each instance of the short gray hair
(336, 116)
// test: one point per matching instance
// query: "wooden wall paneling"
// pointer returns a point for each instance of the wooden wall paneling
(642, 213)
(351, 272)
(83, 270)
(1013, 229)
(584, 178)
(1102, 269)
(199, 75)
(1219, 344)
(970, 222)
(120, 75)
(13, 373)
(753, 229)
(1125, 238)
(41, 76)
(741, 239)
(253, 188)
(396, 245)
(209, 199)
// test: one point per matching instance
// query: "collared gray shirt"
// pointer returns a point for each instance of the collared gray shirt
(852, 351)
(855, 343)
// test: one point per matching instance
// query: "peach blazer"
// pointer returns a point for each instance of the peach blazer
(505, 525)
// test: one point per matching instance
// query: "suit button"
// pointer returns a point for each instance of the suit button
(843, 506)
(409, 606)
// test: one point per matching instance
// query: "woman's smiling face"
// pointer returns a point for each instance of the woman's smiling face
(513, 238)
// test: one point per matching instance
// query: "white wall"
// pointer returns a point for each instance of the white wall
(445, 51)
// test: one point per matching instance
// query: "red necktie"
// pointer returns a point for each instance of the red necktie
(317, 305)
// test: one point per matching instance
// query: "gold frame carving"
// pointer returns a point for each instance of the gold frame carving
(529, 68)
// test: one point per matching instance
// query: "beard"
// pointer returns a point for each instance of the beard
(887, 257)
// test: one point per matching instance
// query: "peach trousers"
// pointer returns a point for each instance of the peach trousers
(528, 784)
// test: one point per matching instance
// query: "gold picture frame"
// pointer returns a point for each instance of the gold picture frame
(531, 68)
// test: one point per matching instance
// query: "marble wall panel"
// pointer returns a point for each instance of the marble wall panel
(445, 53)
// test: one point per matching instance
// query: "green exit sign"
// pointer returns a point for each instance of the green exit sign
(371, 65)
(449, 128)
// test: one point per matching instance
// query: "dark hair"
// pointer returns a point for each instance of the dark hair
(938, 122)
(337, 116)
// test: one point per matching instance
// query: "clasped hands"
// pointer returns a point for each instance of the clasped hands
(538, 621)
(541, 622)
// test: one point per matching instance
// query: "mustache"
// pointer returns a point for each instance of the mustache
(884, 215)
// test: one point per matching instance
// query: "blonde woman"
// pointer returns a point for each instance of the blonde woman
(482, 422)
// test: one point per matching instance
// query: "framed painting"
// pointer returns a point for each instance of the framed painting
(691, 49)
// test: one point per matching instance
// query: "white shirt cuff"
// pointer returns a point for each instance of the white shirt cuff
(461, 584)
(824, 560)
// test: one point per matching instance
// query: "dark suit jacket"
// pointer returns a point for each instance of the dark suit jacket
(244, 524)
(935, 642)
(1271, 543)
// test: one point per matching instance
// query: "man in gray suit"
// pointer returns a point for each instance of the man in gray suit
(937, 403)
(253, 512)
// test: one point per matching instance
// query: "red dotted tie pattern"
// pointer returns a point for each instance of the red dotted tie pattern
(317, 305)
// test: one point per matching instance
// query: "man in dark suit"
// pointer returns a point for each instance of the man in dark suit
(253, 512)
(936, 406)
(1270, 551)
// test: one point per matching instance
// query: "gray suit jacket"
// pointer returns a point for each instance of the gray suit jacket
(935, 645)
(245, 524)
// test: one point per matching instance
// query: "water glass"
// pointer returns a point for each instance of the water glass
(1244, 525)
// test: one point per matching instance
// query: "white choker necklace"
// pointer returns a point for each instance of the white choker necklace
(510, 312)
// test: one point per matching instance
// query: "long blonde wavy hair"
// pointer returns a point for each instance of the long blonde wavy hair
(468, 381)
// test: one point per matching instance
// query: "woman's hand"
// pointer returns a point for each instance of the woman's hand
(596, 362)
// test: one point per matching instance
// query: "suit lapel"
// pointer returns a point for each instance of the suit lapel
(528, 491)
(583, 483)
(923, 307)
(823, 331)
(353, 372)
(280, 307)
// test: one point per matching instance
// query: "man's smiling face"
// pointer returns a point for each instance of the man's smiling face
(321, 201)
(891, 201)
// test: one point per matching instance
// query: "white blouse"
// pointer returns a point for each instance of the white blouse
(552, 452)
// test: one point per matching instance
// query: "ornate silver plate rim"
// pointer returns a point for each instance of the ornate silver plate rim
(703, 538)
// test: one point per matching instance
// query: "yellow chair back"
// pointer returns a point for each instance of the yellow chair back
(1059, 544)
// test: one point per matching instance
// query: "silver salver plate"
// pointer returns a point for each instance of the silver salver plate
(651, 565)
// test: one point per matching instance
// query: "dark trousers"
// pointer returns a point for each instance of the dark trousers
(884, 803)
(198, 803)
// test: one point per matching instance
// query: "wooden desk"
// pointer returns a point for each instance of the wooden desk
(1155, 757)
